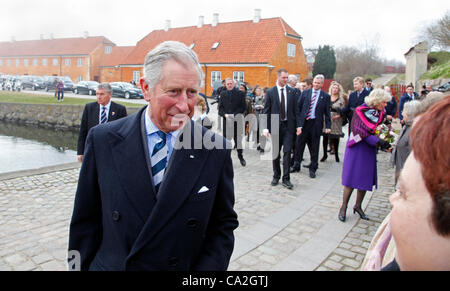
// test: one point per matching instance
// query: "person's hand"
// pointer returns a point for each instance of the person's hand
(389, 150)
(389, 117)
(80, 158)
(299, 130)
(335, 117)
(327, 130)
(266, 133)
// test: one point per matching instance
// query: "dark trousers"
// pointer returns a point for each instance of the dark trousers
(283, 140)
(334, 141)
(60, 94)
(238, 133)
(311, 137)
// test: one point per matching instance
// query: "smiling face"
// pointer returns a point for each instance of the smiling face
(282, 79)
(419, 247)
(173, 99)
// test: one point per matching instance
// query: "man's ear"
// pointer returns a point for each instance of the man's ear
(145, 89)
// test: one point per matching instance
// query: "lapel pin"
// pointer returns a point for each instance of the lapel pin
(191, 156)
(112, 113)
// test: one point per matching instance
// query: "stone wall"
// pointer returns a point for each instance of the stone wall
(47, 115)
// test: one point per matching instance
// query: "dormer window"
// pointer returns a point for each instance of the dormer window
(215, 45)
(108, 49)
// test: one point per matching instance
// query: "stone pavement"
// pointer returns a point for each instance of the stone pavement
(280, 229)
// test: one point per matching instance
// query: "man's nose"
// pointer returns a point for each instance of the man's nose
(182, 103)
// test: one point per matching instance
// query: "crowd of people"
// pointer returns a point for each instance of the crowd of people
(124, 221)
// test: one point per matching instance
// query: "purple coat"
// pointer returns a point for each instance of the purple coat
(360, 165)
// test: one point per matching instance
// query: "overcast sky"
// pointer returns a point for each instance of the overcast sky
(392, 25)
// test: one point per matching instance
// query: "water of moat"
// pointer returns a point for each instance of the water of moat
(24, 147)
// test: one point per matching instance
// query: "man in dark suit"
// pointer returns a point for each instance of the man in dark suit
(409, 95)
(102, 111)
(152, 195)
(355, 99)
(231, 107)
(315, 107)
(281, 111)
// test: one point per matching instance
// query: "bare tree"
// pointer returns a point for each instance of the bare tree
(437, 33)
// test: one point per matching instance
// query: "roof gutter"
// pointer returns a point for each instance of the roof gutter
(293, 36)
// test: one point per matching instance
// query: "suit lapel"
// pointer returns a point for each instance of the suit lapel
(184, 169)
(129, 158)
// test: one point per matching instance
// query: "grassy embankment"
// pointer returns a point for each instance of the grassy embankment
(23, 97)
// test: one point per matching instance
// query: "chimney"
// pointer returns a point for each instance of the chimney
(41, 36)
(215, 20)
(51, 36)
(13, 38)
(167, 27)
(85, 34)
(201, 20)
(257, 16)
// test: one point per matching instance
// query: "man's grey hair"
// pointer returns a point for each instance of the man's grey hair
(168, 50)
(412, 109)
(105, 86)
(292, 78)
(321, 77)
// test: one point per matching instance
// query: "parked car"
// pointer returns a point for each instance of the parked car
(444, 87)
(86, 87)
(126, 90)
(32, 82)
(50, 83)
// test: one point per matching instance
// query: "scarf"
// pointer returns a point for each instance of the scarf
(364, 123)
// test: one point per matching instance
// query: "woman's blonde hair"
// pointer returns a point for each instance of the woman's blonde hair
(341, 89)
(376, 97)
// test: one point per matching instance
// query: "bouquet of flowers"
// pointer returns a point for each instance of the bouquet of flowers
(386, 133)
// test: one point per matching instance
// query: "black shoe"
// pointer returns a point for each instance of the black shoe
(337, 159)
(312, 174)
(287, 184)
(324, 158)
(261, 151)
(307, 166)
(294, 169)
(342, 213)
(361, 213)
(243, 163)
(274, 182)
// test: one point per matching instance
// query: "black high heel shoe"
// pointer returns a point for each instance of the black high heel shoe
(361, 213)
(342, 216)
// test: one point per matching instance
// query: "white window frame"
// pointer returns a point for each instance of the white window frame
(216, 76)
(80, 78)
(291, 49)
(80, 62)
(35, 62)
(8, 63)
(25, 62)
(136, 76)
(17, 62)
(108, 49)
(67, 62)
(55, 62)
(238, 76)
(1, 63)
(44, 62)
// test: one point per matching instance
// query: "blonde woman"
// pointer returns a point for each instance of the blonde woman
(337, 104)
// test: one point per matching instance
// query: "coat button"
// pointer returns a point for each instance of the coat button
(173, 261)
(116, 215)
(192, 223)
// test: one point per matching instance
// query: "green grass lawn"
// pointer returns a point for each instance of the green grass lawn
(20, 97)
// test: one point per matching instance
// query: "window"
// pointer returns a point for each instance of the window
(35, 62)
(215, 45)
(108, 49)
(136, 76)
(44, 62)
(216, 76)
(67, 62)
(8, 63)
(55, 62)
(1, 63)
(291, 48)
(238, 76)
(80, 78)
(25, 62)
(17, 62)
(80, 62)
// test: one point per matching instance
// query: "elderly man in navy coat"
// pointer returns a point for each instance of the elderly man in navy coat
(152, 195)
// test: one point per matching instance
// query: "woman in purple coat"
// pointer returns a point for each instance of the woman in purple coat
(360, 161)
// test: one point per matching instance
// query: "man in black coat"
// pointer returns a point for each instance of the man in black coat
(314, 108)
(355, 99)
(102, 111)
(281, 110)
(231, 107)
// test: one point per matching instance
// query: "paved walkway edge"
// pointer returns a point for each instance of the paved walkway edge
(39, 171)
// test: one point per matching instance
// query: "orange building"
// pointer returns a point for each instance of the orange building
(247, 51)
(78, 58)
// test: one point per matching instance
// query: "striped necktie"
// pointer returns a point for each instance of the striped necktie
(103, 117)
(159, 160)
(313, 100)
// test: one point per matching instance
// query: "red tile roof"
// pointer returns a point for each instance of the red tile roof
(51, 47)
(116, 57)
(239, 42)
